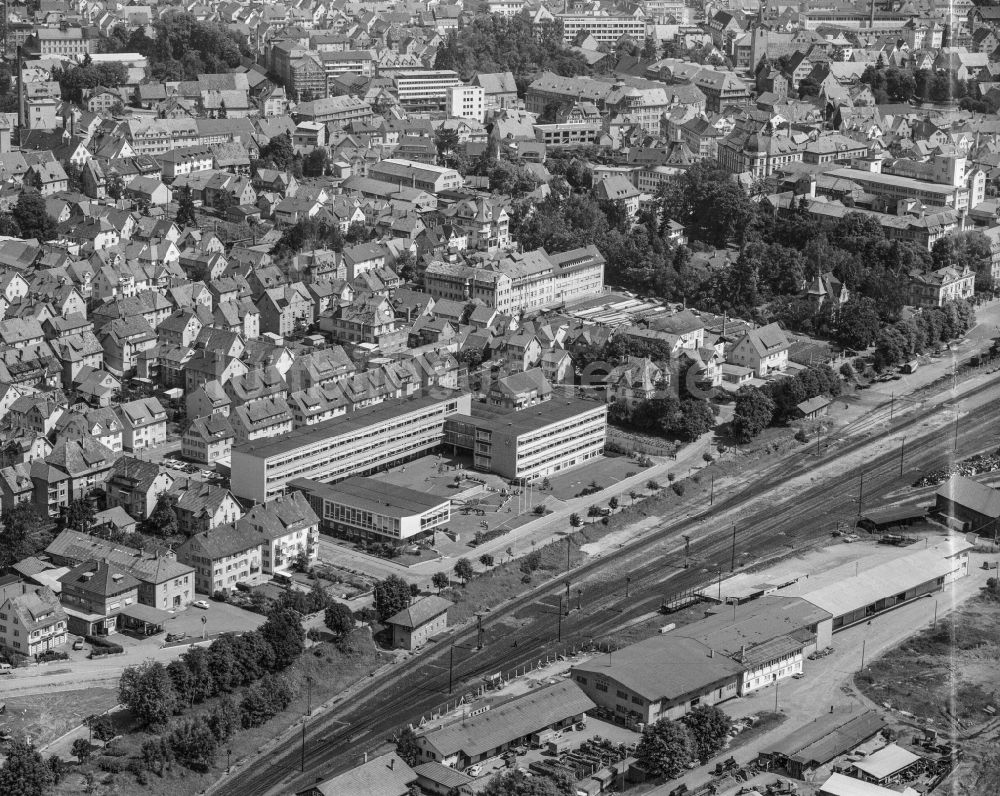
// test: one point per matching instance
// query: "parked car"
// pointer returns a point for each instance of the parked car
(78, 644)
(203, 604)
(176, 636)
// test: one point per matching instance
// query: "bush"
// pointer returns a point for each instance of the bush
(113, 765)
(653, 485)
(678, 488)
(97, 652)
(801, 435)
(52, 655)
(708, 457)
(671, 477)
(219, 596)
(102, 641)
(539, 510)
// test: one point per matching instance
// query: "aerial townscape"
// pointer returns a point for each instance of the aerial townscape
(499, 398)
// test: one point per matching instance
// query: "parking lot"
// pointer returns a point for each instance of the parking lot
(219, 618)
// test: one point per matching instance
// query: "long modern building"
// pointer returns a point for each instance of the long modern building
(425, 89)
(531, 443)
(520, 281)
(368, 510)
(357, 443)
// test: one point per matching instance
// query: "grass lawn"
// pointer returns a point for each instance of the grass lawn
(45, 717)
(331, 670)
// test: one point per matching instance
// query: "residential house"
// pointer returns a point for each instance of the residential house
(223, 557)
(144, 423)
(763, 350)
(136, 485)
(201, 507)
(208, 440)
(288, 529)
(31, 619)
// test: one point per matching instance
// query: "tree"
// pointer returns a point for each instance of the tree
(283, 631)
(193, 744)
(407, 747)
(32, 217)
(486, 560)
(392, 595)
(517, 783)
(613, 503)
(968, 249)
(463, 570)
(446, 142)
(440, 580)
(665, 748)
(81, 750)
(185, 209)
(753, 413)
(224, 720)
(148, 692)
(24, 773)
(709, 727)
(696, 417)
(314, 164)
(58, 767)
(102, 727)
(339, 620)
(278, 152)
(574, 520)
(23, 533)
(80, 514)
(156, 754)
(162, 521)
(858, 323)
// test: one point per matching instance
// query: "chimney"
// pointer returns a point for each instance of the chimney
(711, 653)
(392, 763)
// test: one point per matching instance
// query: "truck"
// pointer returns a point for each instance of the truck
(558, 746)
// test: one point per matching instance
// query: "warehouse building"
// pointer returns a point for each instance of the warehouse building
(734, 651)
(974, 505)
(503, 726)
(852, 595)
(358, 443)
(365, 510)
(823, 740)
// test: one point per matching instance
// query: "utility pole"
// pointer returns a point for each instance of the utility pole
(567, 595)
(935, 615)
(861, 492)
(569, 542)
(956, 428)
(720, 584)
(864, 641)
(559, 636)
(303, 745)
(628, 580)
(479, 631)
(902, 450)
(892, 403)
(776, 683)
(732, 563)
(711, 494)
(451, 666)
(579, 598)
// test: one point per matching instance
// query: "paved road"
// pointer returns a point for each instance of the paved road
(768, 525)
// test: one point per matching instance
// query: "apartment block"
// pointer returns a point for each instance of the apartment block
(467, 102)
(354, 444)
(425, 89)
(606, 30)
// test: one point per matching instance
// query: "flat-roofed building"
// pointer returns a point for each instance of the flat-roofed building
(339, 110)
(368, 510)
(425, 89)
(544, 439)
(354, 444)
(606, 30)
(895, 188)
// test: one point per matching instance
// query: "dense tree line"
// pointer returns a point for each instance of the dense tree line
(900, 84)
(686, 419)
(493, 43)
(154, 693)
(181, 47)
(775, 402)
(74, 81)
(913, 335)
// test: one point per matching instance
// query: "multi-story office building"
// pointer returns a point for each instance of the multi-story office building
(425, 89)
(532, 443)
(299, 69)
(895, 188)
(467, 102)
(520, 281)
(354, 62)
(606, 30)
(354, 444)
(368, 510)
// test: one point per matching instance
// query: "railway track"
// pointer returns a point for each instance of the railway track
(765, 529)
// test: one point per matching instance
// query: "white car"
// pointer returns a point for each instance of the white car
(203, 604)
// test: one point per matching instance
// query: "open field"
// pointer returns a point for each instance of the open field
(946, 677)
(44, 717)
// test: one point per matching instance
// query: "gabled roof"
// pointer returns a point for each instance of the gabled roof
(420, 612)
